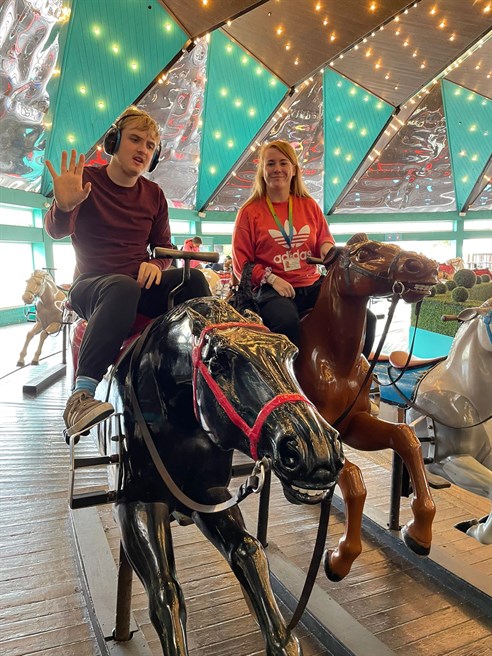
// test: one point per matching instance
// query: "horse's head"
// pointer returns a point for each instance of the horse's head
(373, 268)
(247, 398)
(481, 319)
(34, 287)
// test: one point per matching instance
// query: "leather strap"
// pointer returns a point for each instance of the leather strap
(318, 550)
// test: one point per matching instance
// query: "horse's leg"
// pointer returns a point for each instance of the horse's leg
(147, 540)
(369, 433)
(466, 472)
(42, 339)
(37, 328)
(248, 561)
(481, 530)
(337, 562)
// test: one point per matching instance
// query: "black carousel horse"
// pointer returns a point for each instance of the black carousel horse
(206, 380)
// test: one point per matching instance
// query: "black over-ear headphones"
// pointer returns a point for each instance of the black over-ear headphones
(112, 138)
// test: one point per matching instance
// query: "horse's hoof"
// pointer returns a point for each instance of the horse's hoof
(20, 364)
(35, 362)
(467, 524)
(330, 575)
(412, 544)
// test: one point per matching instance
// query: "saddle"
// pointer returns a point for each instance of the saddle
(396, 389)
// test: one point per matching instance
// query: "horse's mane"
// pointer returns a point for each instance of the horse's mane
(242, 298)
(357, 238)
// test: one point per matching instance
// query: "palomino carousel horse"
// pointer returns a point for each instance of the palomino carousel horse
(449, 403)
(202, 382)
(213, 280)
(48, 298)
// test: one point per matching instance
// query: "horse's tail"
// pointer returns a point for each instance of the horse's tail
(242, 297)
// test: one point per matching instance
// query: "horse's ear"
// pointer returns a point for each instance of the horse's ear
(198, 321)
(332, 255)
(252, 316)
(357, 238)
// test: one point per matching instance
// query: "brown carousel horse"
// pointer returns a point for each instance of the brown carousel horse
(331, 371)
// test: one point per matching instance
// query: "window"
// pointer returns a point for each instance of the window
(217, 228)
(391, 227)
(15, 269)
(18, 216)
(64, 261)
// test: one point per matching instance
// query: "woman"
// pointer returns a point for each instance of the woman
(277, 228)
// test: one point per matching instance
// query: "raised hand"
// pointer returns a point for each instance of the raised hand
(67, 186)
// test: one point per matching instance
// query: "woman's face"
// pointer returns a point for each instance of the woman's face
(278, 172)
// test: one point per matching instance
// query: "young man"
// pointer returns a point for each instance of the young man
(114, 217)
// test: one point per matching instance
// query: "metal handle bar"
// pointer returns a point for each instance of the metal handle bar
(176, 254)
(314, 260)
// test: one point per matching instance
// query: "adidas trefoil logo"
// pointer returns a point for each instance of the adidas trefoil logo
(298, 238)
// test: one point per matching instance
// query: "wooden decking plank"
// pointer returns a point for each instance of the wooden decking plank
(40, 608)
(45, 640)
(415, 629)
(85, 648)
(438, 643)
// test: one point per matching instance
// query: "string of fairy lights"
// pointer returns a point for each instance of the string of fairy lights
(398, 26)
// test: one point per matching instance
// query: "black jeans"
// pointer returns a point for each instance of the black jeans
(110, 304)
(282, 314)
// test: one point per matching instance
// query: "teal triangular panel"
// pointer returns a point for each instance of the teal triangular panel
(106, 66)
(469, 124)
(239, 97)
(353, 119)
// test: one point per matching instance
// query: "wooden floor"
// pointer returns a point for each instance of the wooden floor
(43, 611)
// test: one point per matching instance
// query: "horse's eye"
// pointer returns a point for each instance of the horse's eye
(219, 363)
(363, 255)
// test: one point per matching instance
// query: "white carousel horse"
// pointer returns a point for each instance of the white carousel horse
(453, 400)
(214, 281)
(49, 301)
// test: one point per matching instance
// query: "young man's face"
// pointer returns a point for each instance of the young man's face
(135, 151)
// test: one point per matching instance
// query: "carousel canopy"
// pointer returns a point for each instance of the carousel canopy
(388, 103)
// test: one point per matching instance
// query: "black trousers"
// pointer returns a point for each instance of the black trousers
(282, 315)
(110, 304)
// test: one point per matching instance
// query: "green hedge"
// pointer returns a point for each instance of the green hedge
(431, 312)
(481, 292)
(434, 307)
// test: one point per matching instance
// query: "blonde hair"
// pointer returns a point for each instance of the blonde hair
(138, 119)
(297, 186)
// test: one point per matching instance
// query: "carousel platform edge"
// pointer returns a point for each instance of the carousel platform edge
(327, 621)
(99, 578)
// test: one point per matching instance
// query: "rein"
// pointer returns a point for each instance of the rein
(398, 290)
(253, 432)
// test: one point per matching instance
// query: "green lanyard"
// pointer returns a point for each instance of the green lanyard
(287, 237)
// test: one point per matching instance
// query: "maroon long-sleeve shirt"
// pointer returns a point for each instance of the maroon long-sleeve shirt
(113, 229)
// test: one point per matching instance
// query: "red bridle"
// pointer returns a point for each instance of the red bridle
(253, 432)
